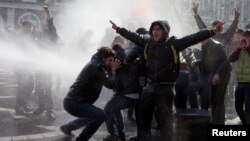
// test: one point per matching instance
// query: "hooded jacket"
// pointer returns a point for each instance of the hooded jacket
(163, 57)
(88, 85)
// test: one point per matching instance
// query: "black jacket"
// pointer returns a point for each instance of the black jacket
(127, 76)
(128, 79)
(89, 82)
(214, 59)
(163, 57)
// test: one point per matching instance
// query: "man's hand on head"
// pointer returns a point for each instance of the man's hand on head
(115, 65)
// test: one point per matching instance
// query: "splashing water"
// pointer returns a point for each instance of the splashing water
(83, 26)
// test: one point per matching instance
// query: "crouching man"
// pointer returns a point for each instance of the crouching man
(86, 90)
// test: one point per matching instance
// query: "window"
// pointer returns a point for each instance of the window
(33, 1)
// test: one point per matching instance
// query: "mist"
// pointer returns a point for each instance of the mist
(83, 26)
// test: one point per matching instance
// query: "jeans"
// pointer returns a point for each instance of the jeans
(87, 114)
(194, 87)
(181, 86)
(113, 109)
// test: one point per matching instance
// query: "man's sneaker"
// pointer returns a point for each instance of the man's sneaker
(38, 111)
(111, 138)
(50, 115)
(66, 131)
(21, 112)
(121, 136)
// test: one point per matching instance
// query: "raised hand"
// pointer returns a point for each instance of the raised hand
(114, 26)
(216, 79)
(218, 27)
(46, 10)
(236, 13)
(195, 8)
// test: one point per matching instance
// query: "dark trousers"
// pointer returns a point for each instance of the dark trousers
(215, 94)
(43, 89)
(158, 97)
(181, 88)
(242, 96)
(87, 114)
(25, 85)
(192, 90)
(113, 109)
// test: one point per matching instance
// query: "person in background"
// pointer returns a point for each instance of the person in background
(215, 68)
(43, 79)
(126, 94)
(242, 92)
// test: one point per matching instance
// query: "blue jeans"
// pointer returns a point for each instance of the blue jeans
(113, 109)
(194, 87)
(181, 88)
(87, 114)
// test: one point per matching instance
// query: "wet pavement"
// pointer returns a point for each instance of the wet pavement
(40, 128)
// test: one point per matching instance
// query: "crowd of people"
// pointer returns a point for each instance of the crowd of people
(156, 73)
(148, 71)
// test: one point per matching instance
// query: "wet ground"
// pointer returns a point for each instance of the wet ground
(39, 128)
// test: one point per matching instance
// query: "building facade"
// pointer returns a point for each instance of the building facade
(211, 10)
(14, 12)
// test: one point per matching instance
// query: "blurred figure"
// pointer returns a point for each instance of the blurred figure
(135, 53)
(215, 68)
(126, 94)
(194, 88)
(182, 84)
(43, 79)
(25, 75)
(230, 48)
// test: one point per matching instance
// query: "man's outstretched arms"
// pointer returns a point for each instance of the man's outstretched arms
(132, 36)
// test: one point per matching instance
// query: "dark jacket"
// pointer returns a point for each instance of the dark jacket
(128, 79)
(51, 33)
(89, 82)
(214, 59)
(127, 76)
(162, 57)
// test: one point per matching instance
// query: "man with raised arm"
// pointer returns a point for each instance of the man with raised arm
(215, 68)
(162, 66)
